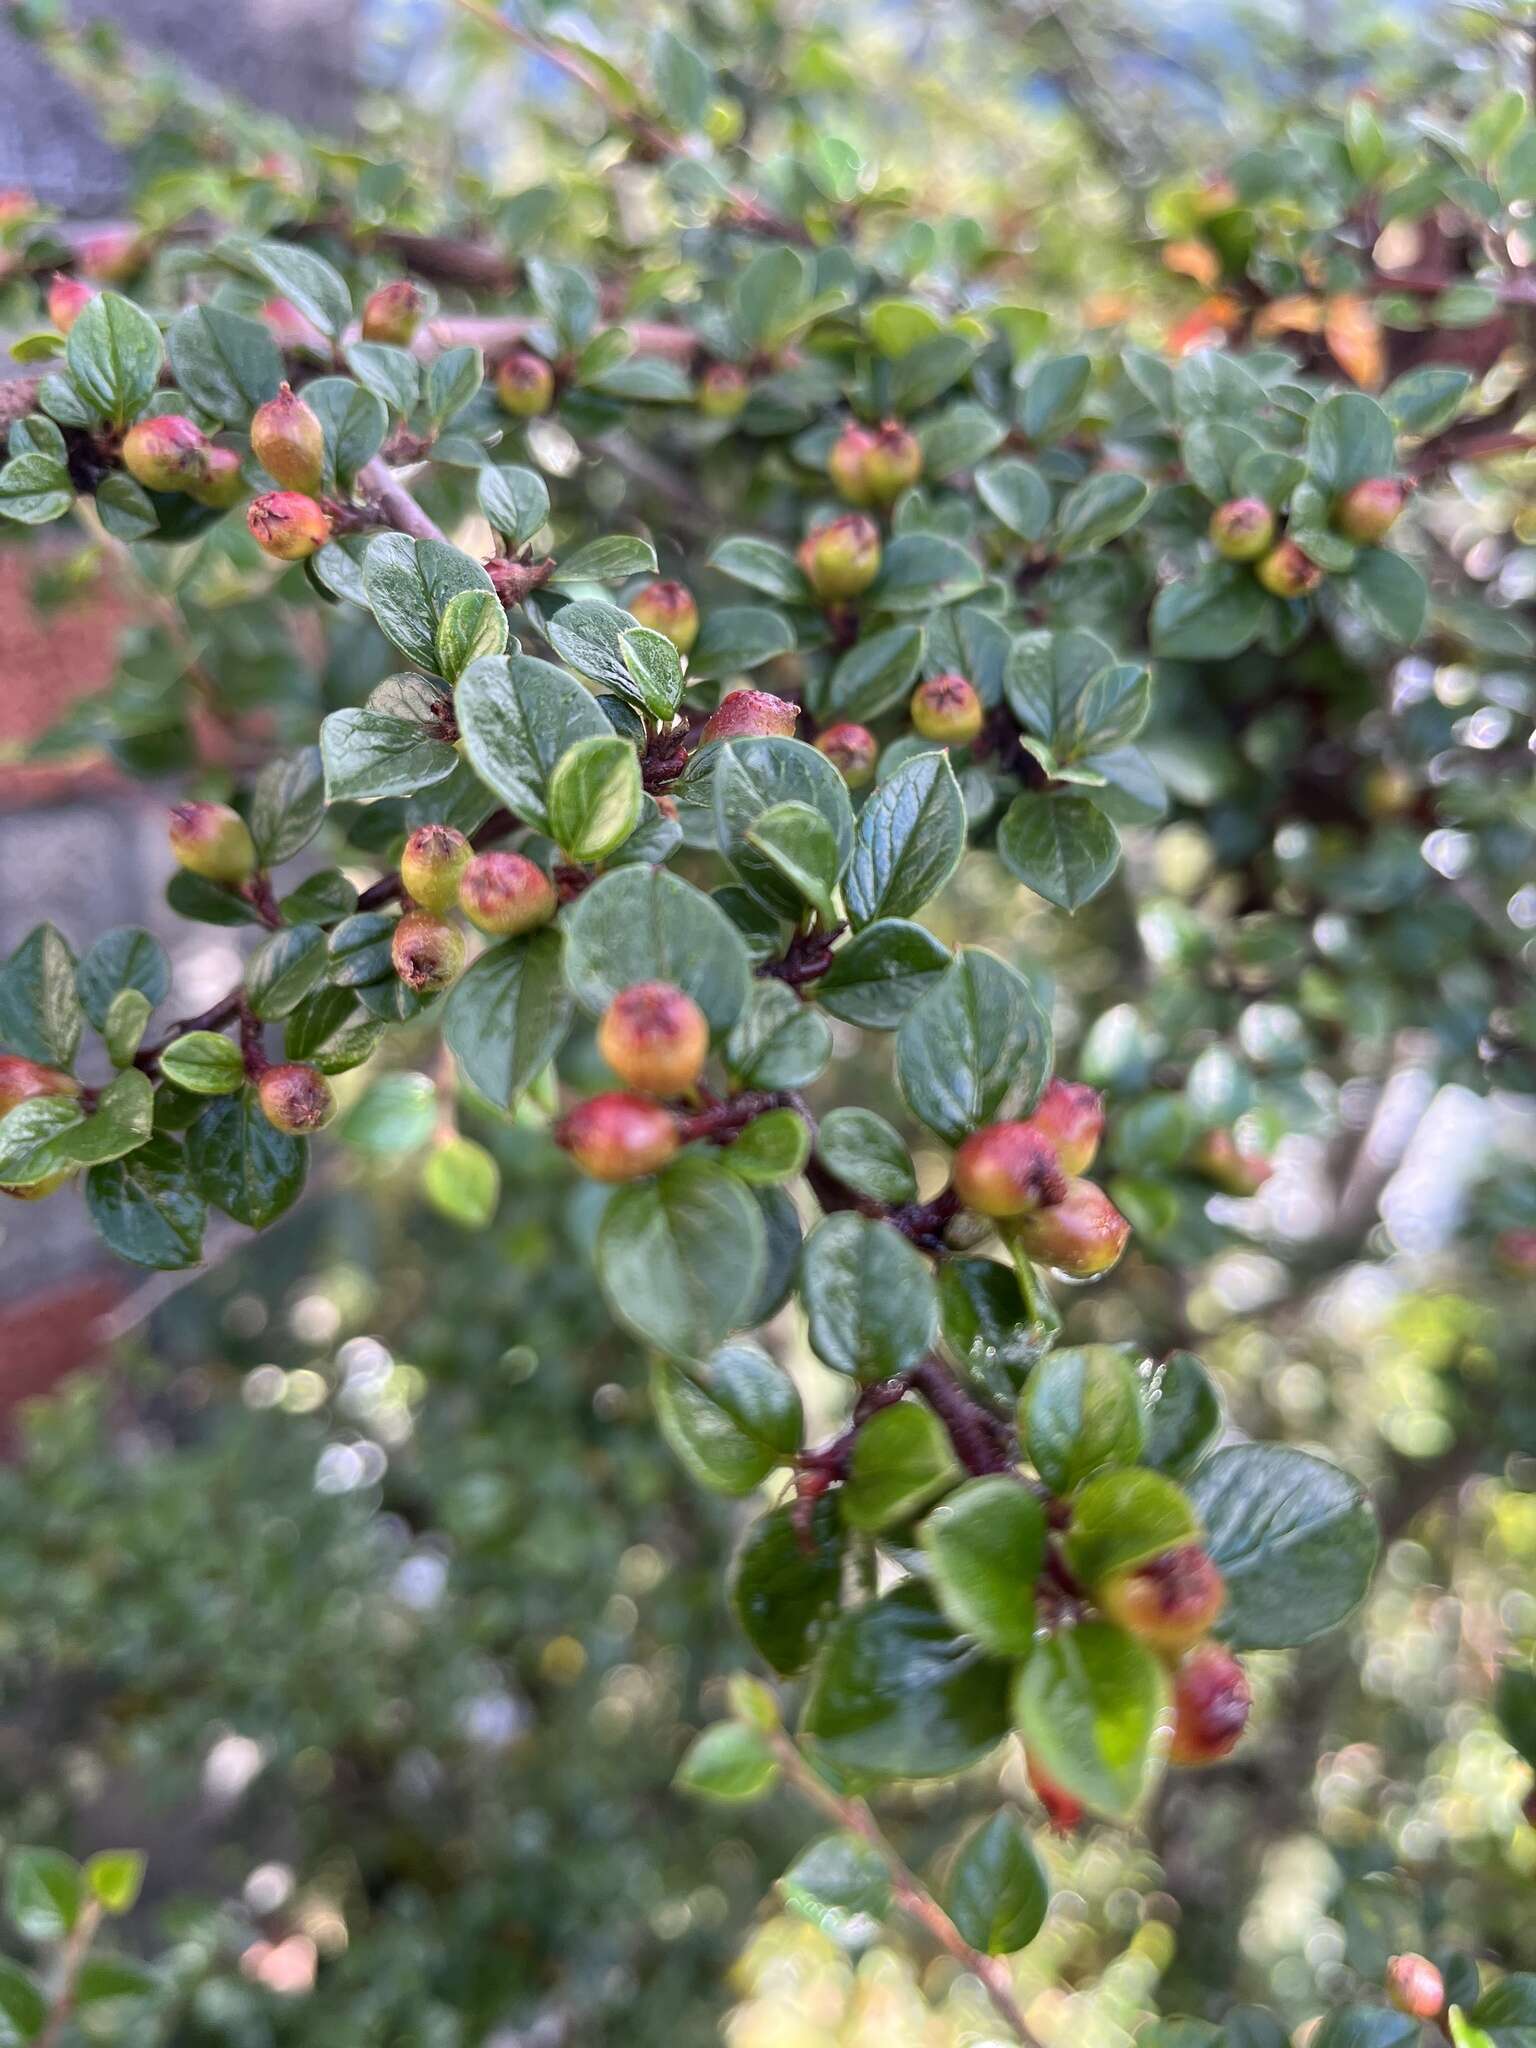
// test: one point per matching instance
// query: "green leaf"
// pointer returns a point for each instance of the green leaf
(1294, 1538)
(1209, 616)
(762, 565)
(1062, 847)
(1506, 2012)
(801, 847)
(397, 1114)
(836, 1883)
(901, 1459)
(284, 968)
(655, 670)
(515, 501)
(680, 1257)
(120, 1122)
(644, 924)
(785, 1581)
(453, 378)
(146, 1207)
(225, 363)
(993, 1334)
(1390, 592)
(959, 437)
(1372, 2026)
(1099, 509)
(115, 355)
(867, 1155)
(241, 1164)
(896, 1693)
(734, 639)
(778, 1041)
(517, 717)
(287, 805)
(409, 583)
(354, 424)
(29, 1134)
(35, 489)
(392, 375)
(919, 571)
(869, 1297)
(908, 842)
(754, 775)
(1082, 1411)
(684, 82)
(996, 1892)
(874, 673)
(1349, 438)
(462, 1182)
(115, 1877)
(590, 635)
(472, 624)
(771, 1150)
(975, 1050)
(730, 1762)
(1425, 400)
(204, 1064)
(1183, 1412)
(1089, 1704)
(1016, 493)
(772, 283)
(1121, 1519)
(1054, 395)
(732, 1420)
(23, 2005)
(1514, 1708)
(125, 509)
(594, 797)
(985, 1547)
(367, 755)
(40, 1009)
(122, 1031)
(566, 296)
(609, 559)
(302, 277)
(881, 972)
(506, 1016)
(125, 958)
(44, 1892)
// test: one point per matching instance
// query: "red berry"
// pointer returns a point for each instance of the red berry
(506, 893)
(296, 1098)
(166, 453)
(1082, 1235)
(1007, 1170)
(1286, 572)
(845, 463)
(1239, 1173)
(1170, 1601)
(1070, 1116)
(22, 1079)
(750, 714)
(213, 841)
(431, 864)
(111, 254)
(224, 484)
(525, 384)
(842, 558)
(289, 442)
(668, 608)
(1064, 1813)
(722, 391)
(655, 1038)
(427, 951)
(1415, 1987)
(288, 525)
(67, 300)
(853, 751)
(1211, 1702)
(618, 1137)
(1242, 530)
(947, 709)
(393, 312)
(1367, 511)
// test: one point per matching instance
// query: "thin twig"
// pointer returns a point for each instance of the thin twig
(396, 502)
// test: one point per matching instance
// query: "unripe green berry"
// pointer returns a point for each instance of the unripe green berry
(846, 463)
(947, 709)
(288, 441)
(1070, 1116)
(296, 1098)
(1367, 512)
(1242, 530)
(842, 558)
(67, 300)
(853, 751)
(506, 893)
(655, 1038)
(288, 525)
(1415, 1987)
(525, 384)
(1082, 1235)
(1007, 1170)
(668, 608)
(431, 863)
(1211, 1703)
(166, 453)
(1286, 572)
(224, 484)
(1170, 1602)
(618, 1137)
(722, 391)
(213, 841)
(393, 312)
(1234, 1172)
(427, 952)
(893, 464)
(750, 714)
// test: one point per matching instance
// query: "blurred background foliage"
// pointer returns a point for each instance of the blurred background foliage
(361, 1591)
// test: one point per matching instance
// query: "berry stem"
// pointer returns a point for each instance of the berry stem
(982, 1442)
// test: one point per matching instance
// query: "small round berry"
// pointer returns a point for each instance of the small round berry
(1082, 1235)
(506, 894)
(224, 484)
(893, 464)
(1070, 1116)
(288, 441)
(1170, 1601)
(525, 384)
(655, 1038)
(1415, 1987)
(668, 608)
(1514, 1252)
(722, 391)
(1007, 1170)
(67, 300)
(842, 558)
(295, 1098)
(1367, 512)
(427, 952)
(213, 841)
(111, 254)
(393, 312)
(1286, 572)
(1242, 529)
(1211, 1702)
(22, 1079)
(288, 525)
(1234, 1172)
(846, 461)
(853, 751)
(618, 1137)
(431, 864)
(748, 715)
(166, 453)
(947, 709)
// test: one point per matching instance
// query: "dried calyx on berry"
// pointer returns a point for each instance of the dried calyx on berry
(1211, 1702)
(853, 751)
(1242, 529)
(431, 863)
(655, 1038)
(213, 841)
(296, 1098)
(750, 714)
(427, 952)
(842, 558)
(288, 525)
(394, 312)
(947, 709)
(618, 1137)
(288, 441)
(668, 608)
(506, 893)
(1007, 1170)
(525, 384)
(1170, 1601)
(166, 453)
